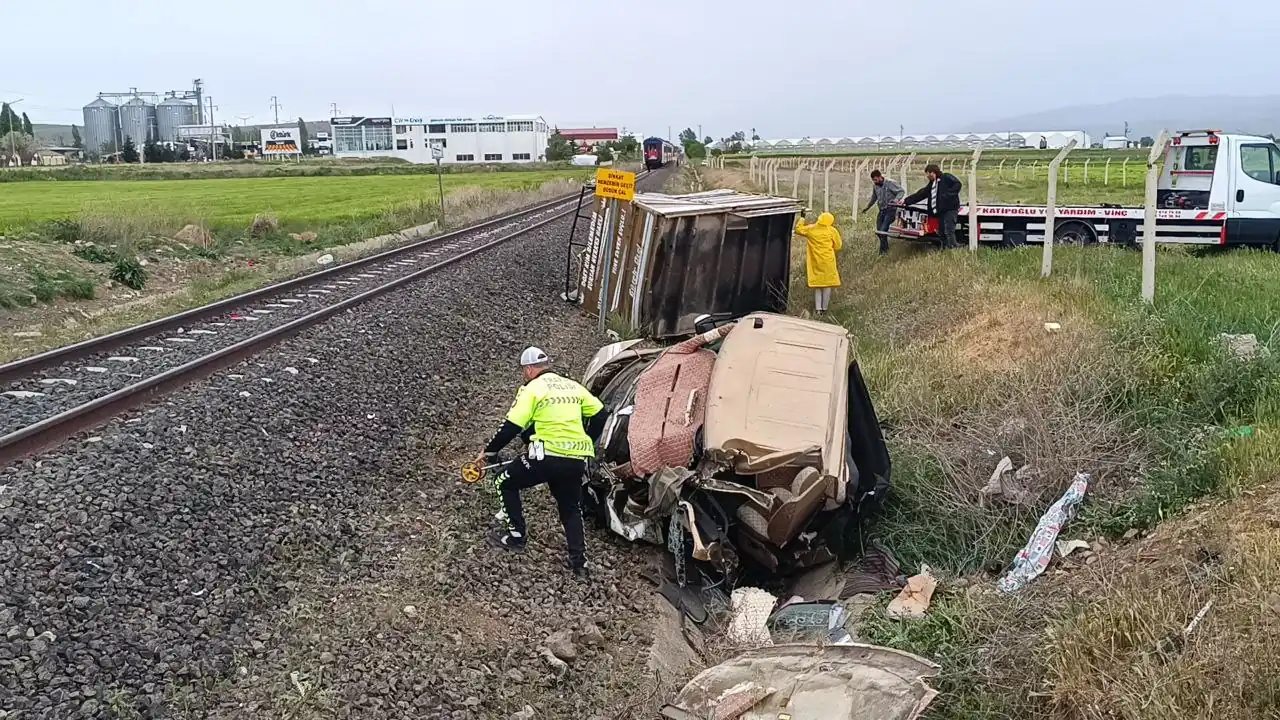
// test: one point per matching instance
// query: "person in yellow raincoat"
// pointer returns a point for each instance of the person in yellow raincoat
(820, 257)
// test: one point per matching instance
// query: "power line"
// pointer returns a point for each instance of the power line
(333, 110)
(275, 105)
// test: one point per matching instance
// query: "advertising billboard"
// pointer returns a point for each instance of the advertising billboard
(280, 141)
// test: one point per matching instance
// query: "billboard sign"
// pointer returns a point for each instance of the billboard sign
(280, 141)
(202, 132)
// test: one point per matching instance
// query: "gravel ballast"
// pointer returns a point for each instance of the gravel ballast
(289, 537)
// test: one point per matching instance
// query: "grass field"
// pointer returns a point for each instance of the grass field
(301, 203)
(1178, 436)
(309, 167)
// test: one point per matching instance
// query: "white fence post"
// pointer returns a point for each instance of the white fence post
(974, 230)
(1066, 173)
(1086, 171)
(857, 187)
(1124, 173)
(1046, 263)
(1017, 167)
(826, 187)
(812, 167)
(1149, 220)
(795, 181)
(1106, 172)
(1002, 168)
(906, 168)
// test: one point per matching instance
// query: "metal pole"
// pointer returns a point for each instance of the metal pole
(975, 228)
(440, 182)
(1149, 220)
(1046, 264)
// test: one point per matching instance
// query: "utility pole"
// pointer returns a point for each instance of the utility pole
(213, 143)
(12, 151)
(333, 110)
(275, 105)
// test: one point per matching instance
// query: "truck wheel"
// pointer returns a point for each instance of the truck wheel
(1074, 233)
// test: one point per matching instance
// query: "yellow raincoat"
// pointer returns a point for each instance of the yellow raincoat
(820, 258)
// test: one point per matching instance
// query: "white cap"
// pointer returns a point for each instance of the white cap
(533, 356)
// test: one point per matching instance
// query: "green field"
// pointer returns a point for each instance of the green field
(309, 167)
(299, 202)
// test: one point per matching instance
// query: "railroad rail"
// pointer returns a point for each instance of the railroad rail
(169, 352)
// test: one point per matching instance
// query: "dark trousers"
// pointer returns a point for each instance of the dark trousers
(564, 477)
(884, 221)
(948, 222)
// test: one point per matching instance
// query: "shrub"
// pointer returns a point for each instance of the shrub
(95, 253)
(63, 230)
(129, 272)
(263, 223)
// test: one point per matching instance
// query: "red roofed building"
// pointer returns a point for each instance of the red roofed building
(585, 139)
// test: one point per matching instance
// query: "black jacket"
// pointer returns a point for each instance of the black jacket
(948, 194)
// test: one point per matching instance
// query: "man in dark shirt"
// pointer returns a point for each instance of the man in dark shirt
(943, 194)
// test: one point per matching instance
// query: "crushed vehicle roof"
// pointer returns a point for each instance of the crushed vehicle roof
(716, 201)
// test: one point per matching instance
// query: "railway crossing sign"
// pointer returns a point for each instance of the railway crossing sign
(615, 184)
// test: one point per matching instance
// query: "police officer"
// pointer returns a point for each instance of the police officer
(557, 411)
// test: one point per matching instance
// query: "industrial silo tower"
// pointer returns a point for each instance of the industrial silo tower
(172, 114)
(101, 127)
(137, 121)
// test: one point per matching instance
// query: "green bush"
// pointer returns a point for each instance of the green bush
(63, 230)
(95, 253)
(46, 287)
(129, 272)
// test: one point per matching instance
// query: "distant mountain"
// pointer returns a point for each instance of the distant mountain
(1146, 116)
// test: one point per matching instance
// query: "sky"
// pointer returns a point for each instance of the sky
(788, 69)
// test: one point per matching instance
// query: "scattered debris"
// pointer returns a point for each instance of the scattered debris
(1034, 558)
(194, 235)
(751, 610)
(1052, 327)
(809, 622)
(28, 334)
(23, 393)
(831, 682)
(410, 611)
(913, 601)
(1008, 485)
(1243, 347)
(1066, 547)
(324, 259)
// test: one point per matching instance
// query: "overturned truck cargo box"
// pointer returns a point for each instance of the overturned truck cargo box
(660, 261)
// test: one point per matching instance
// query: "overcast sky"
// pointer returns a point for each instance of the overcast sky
(785, 67)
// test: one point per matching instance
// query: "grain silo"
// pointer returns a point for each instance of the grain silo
(137, 121)
(172, 114)
(101, 126)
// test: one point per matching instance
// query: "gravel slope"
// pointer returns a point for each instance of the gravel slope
(247, 547)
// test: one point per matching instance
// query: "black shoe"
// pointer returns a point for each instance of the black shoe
(506, 540)
(579, 572)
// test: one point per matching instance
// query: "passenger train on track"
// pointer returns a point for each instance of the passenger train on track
(659, 152)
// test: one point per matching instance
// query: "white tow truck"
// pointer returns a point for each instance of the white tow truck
(1216, 189)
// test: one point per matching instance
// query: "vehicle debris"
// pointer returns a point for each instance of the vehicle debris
(1066, 547)
(810, 682)
(1242, 347)
(913, 601)
(1008, 485)
(1034, 557)
(753, 445)
(751, 610)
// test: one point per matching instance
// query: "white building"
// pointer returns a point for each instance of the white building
(490, 139)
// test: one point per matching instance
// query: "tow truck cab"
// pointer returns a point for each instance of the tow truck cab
(1214, 189)
(1236, 174)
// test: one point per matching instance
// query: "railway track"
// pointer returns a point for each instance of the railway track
(54, 395)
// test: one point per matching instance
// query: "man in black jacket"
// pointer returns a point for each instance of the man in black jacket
(943, 194)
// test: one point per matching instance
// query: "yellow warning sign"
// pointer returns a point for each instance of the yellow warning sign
(615, 184)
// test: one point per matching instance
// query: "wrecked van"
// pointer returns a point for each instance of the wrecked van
(753, 445)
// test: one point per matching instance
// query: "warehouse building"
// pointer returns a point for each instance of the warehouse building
(1044, 139)
(490, 139)
(585, 140)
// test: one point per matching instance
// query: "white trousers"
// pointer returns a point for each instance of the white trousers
(822, 299)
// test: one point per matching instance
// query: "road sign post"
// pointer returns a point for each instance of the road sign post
(437, 154)
(614, 186)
